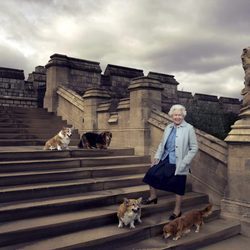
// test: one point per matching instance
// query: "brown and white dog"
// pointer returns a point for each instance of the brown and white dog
(182, 225)
(173, 229)
(94, 140)
(129, 211)
(59, 141)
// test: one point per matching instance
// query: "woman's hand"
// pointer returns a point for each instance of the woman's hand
(155, 161)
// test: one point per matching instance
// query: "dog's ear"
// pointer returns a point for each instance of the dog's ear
(126, 201)
(139, 200)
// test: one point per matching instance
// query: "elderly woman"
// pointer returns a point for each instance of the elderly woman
(170, 165)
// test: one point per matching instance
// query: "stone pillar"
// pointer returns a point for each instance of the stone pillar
(57, 74)
(236, 202)
(92, 97)
(145, 94)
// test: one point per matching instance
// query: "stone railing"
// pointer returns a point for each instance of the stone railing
(128, 122)
(209, 167)
(70, 106)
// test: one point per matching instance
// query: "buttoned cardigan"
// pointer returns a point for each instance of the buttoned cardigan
(186, 146)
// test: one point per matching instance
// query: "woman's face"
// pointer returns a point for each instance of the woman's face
(177, 117)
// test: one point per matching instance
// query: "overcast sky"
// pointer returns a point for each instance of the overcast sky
(198, 41)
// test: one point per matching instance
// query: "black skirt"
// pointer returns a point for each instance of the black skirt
(161, 176)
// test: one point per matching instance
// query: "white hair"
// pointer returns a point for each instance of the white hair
(178, 107)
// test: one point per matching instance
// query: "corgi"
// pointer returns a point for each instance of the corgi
(182, 225)
(129, 211)
(173, 229)
(94, 140)
(59, 141)
(195, 217)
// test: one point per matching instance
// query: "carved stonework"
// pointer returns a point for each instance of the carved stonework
(241, 129)
(245, 57)
(236, 199)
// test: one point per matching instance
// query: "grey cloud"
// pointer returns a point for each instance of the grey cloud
(195, 37)
(11, 58)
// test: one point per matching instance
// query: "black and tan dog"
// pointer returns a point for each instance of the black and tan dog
(94, 140)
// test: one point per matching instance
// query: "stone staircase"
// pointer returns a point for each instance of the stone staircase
(30, 126)
(68, 199)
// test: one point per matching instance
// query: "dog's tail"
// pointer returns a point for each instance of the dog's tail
(207, 210)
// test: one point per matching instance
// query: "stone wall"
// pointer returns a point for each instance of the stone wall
(14, 90)
(208, 112)
(80, 75)
(75, 73)
(116, 79)
(38, 79)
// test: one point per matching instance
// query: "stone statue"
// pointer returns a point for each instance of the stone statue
(245, 58)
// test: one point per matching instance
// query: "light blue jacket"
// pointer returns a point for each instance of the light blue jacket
(186, 146)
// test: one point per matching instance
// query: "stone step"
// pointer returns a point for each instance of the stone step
(20, 178)
(239, 242)
(35, 153)
(17, 210)
(18, 116)
(108, 236)
(29, 142)
(77, 162)
(38, 124)
(32, 191)
(29, 119)
(211, 232)
(33, 136)
(87, 219)
(35, 131)
(20, 110)
(34, 121)
(19, 136)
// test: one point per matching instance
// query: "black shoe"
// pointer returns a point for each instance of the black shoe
(149, 201)
(174, 216)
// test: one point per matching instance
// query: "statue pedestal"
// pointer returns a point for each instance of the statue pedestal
(236, 202)
(240, 131)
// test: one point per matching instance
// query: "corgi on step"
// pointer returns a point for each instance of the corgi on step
(129, 211)
(59, 141)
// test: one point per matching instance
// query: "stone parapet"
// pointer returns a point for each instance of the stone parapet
(11, 73)
(73, 63)
(14, 91)
(184, 94)
(77, 74)
(163, 78)
(203, 97)
(145, 83)
(96, 93)
(116, 70)
(228, 100)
